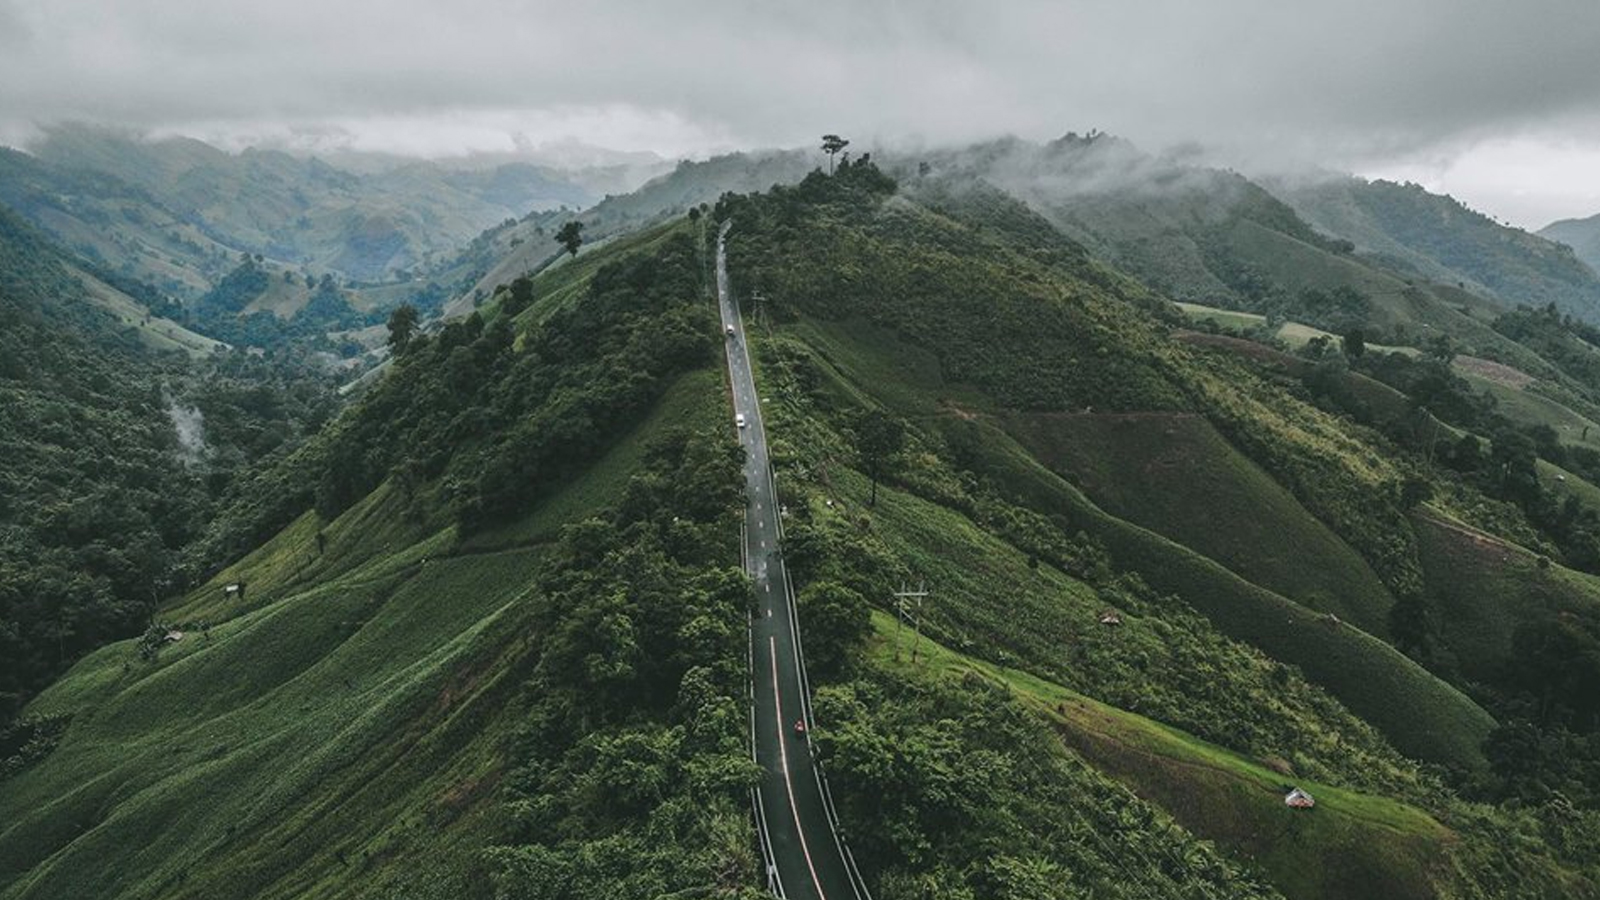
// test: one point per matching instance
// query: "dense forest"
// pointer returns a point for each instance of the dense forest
(113, 459)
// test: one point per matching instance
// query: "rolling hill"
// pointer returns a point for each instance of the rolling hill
(1442, 240)
(117, 426)
(874, 307)
(1213, 237)
(178, 212)
(1582, 235)
(488, 633)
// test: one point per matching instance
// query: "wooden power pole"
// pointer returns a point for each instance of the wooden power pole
(900, 603)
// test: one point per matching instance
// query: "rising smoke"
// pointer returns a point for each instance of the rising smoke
(190, 426)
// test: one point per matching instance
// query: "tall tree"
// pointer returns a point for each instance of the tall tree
(571, 236)
(837, 620)
(832, 144)
(402, 327)
(878, 438)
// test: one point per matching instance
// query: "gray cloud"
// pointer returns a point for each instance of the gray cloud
(1360, 83)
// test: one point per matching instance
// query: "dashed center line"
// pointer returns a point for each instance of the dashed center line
(783, 756)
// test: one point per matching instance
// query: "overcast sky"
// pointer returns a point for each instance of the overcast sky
(1496, 101)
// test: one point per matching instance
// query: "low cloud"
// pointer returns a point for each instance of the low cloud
(1357, 84)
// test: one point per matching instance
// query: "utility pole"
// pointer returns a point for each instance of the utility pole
(900, 599)
(758, 313)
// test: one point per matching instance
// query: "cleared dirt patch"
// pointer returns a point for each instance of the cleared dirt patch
(1243, 346)
(1499, 373)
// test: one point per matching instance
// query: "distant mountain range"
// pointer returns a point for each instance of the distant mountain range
(1582, 235)
(178, 212)
(1214, 236)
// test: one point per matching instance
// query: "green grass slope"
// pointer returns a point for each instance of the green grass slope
(1173, 474)
(1582, 235)
(1395, 304)
(357, 725)
(342, 726)
(1419, 713)
(1352, 845)
(1441, 238)
(1483, 588)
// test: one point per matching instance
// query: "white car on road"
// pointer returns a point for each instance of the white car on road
(739, 420)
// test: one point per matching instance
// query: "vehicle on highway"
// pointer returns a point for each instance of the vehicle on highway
(730, 331)
(739, 420)
(799, 726)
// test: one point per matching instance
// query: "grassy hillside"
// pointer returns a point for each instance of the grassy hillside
(1582, 235)
(1485, 589)
(1352, 845)
(1173, 474)
(380, 711)
(1020, 564)
(114, 433)
(1444, 241)
(1002, 333)
(364, 226)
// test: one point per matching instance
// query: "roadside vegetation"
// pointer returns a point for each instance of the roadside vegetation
(878, 319)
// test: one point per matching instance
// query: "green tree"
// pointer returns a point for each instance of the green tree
(836, 620)
(520, 298)
(1355, 343)
(1442, 349)
(878, 438)
(571, 236)
(832, 144)
(402, 327)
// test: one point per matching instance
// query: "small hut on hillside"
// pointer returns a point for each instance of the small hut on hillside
(1298, 799)
(1110, 617)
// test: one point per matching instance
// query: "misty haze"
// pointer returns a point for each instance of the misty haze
(847, 451)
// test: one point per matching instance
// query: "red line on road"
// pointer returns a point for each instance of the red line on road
(783, 755)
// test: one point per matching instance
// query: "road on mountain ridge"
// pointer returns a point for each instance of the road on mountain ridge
(806, 858)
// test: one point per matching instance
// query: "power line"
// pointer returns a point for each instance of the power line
(900, 598)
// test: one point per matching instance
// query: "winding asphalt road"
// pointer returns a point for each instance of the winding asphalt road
(806, 859)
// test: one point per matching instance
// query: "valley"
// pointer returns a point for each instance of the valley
(1209, 489)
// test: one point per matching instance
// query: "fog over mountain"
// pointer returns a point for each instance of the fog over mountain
(1498, 103)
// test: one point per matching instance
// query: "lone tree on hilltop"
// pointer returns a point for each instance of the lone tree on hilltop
(832, 144)
(571, 236)
(402, 326)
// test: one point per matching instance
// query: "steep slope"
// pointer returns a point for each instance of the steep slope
(1442, 240)
(1358, 845)
(1582, 235)
(495, 627)
(512, 250)
(1175, 475)
(108, 448)
(878, 310)
(1210, 236)
(176, 212)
